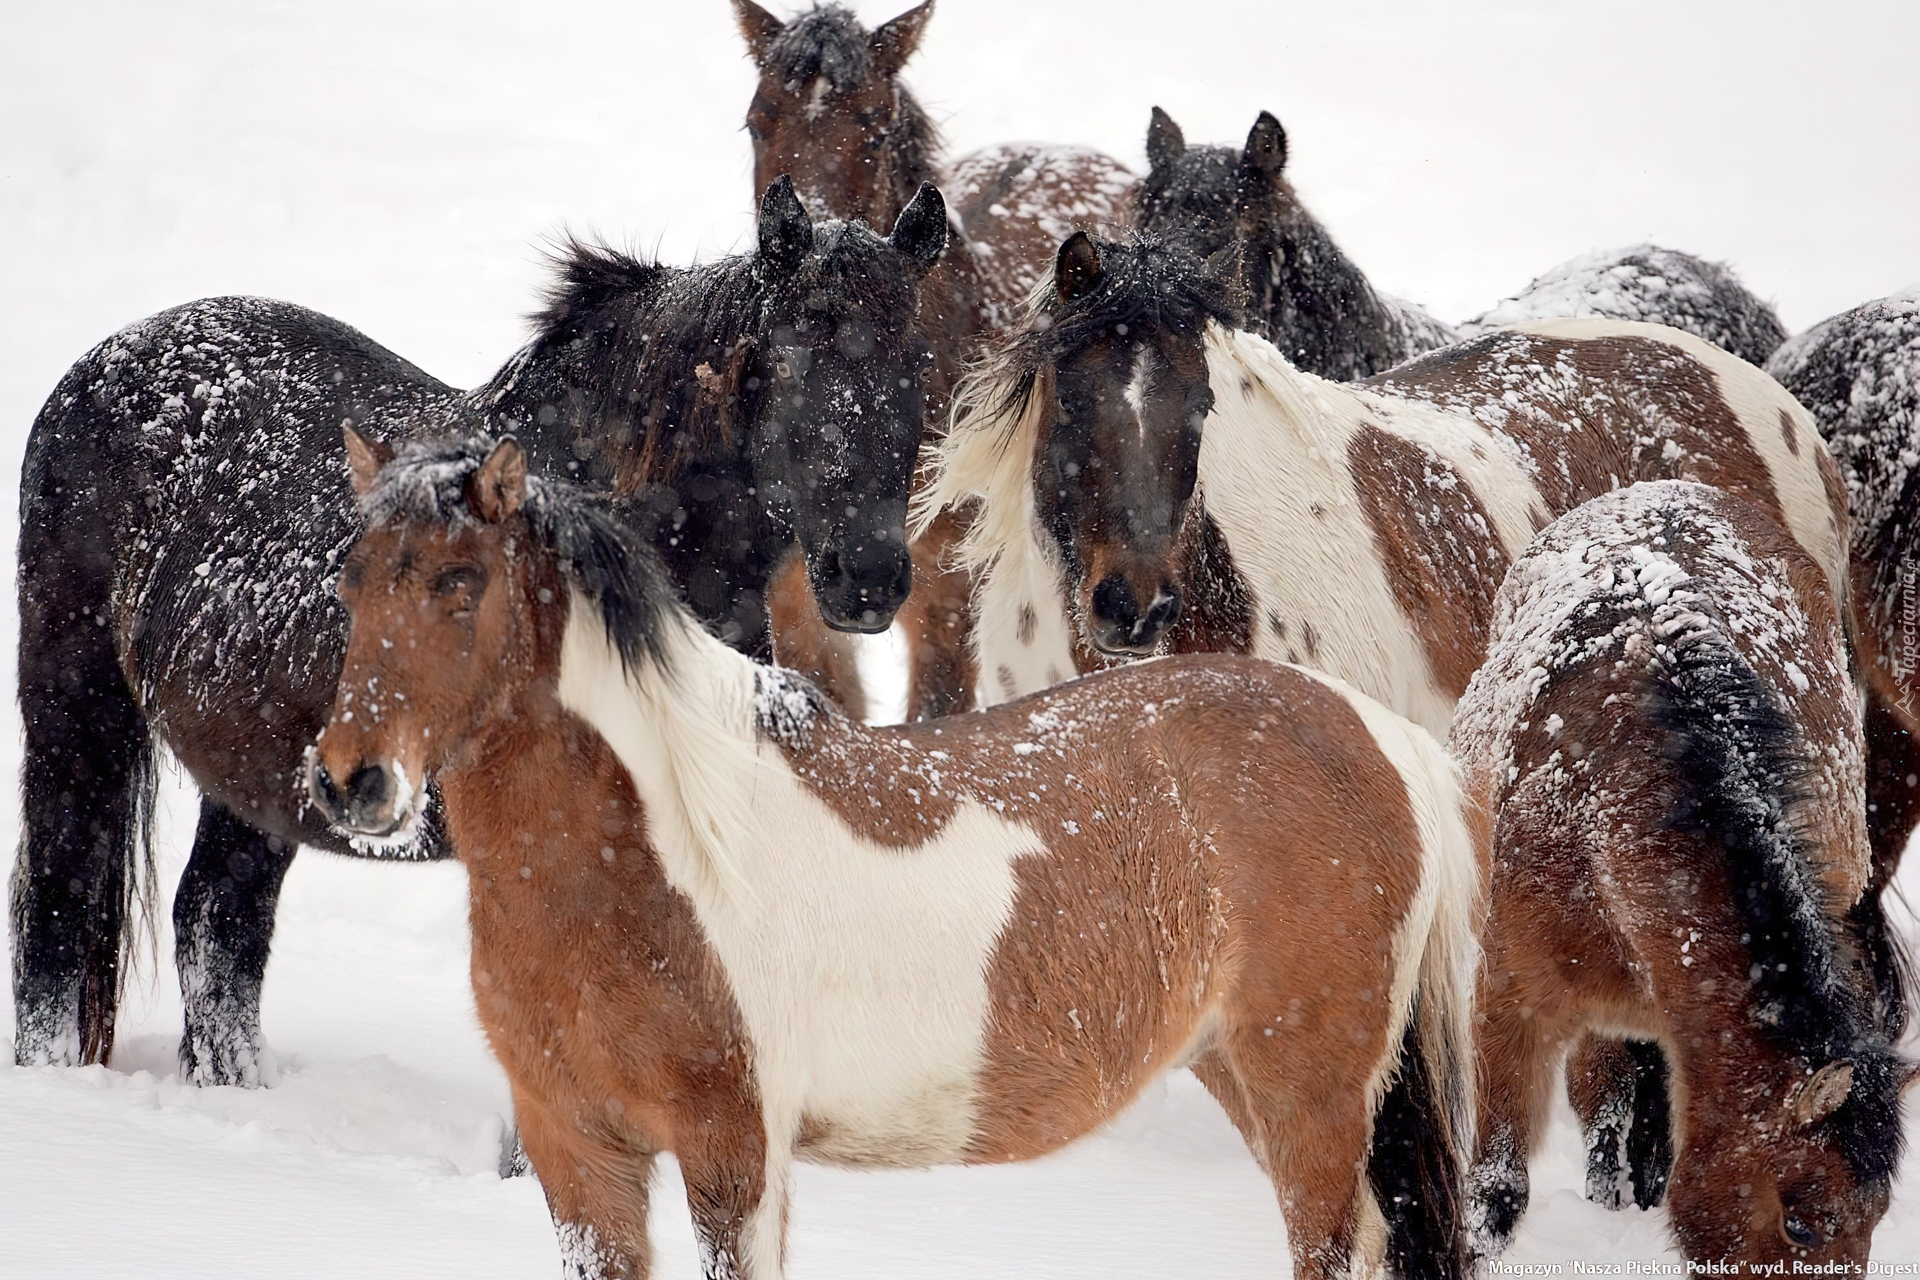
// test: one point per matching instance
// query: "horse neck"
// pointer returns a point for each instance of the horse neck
(1322, 310)
(601, 398)
(684, 717)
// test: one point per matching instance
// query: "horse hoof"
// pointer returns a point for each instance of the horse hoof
(237, 1060)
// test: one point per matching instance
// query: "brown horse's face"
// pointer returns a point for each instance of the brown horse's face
(442, 641)
(1117, 467)
(1773, 1185)
(826, 108)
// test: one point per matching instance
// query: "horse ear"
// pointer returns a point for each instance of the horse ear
(758, 27)
(499, 487)
(1076, 268)
(1266, 146)
(364, 459)
(1165, 142)
(1823, 1092)
(786, 232)
(895, 40)
(920, 231)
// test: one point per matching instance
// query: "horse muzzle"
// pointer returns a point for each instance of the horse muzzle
(1119, 627)
(375, 802)
(860, 590)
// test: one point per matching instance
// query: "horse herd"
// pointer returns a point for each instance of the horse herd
(1532, 693)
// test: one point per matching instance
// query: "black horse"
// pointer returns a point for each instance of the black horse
(185, 507)
(1309, 299)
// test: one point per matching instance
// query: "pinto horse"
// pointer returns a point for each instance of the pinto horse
(1310, 300)
(1666, 738)
(183, 511)
(713, 916)
(1150, 480)
(831, 110)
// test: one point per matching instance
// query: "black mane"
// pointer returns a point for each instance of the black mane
(616, 334)
(1742, 763)
(427, 482)
(1145, 281)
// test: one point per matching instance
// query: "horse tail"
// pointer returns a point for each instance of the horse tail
(85, 873)
(1422, 1122)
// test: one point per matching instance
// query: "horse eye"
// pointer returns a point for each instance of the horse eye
(455, 582)
(1799, 1231)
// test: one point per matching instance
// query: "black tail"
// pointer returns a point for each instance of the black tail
(1415, 1166)
(87, 777)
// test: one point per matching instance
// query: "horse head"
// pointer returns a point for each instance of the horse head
(442, 639)
(836, 373)
(1120, 373)
(1213, 198)
(828, 111)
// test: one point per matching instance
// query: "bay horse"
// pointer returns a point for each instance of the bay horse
(1858, 373)
(183, 512)
(715, 917)
(1666, 739)
(1310, 300)
(831, 111)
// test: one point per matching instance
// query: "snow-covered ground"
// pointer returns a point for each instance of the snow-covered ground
(397, 162)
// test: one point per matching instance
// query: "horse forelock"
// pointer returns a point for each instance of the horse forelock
(826, 42)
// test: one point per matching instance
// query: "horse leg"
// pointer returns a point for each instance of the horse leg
(86, 789)
(737, 1188)
(1618, 1089)
(941, 669)
(1309, 1132)
(597, 1195)
(223, 923)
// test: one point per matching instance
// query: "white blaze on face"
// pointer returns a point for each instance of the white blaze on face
(1138, 385)
(817, 103)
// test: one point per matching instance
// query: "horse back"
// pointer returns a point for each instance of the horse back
(185, 483)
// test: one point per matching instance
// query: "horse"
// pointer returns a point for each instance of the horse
(831, 110)
(1858, 373)
(1666, 740)
(715, 917)
(183, 515)
(1151, 480)
(1310, 300)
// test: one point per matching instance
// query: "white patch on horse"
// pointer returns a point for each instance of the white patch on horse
(817, 100)
(859, 969)
(1138, 385)
(1270, 457)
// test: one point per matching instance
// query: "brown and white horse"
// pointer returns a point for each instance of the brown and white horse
(713, 916)
(1150, 479)
(1666, 738)
(831, 112)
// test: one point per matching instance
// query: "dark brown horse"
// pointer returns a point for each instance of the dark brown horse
(831, 110)
(714, 917)
(1666, 736)
(183, 510)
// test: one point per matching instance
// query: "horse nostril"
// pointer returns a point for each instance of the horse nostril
(325, 795)
(1113, 600)
(369, 788)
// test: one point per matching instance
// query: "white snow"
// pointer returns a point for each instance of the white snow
(395, 164)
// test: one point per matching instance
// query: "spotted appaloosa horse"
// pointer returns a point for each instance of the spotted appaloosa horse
(1310, 300)
(1859, 375)
(713, 916)
(831, 110)
(1667, 739)
(183, 510)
